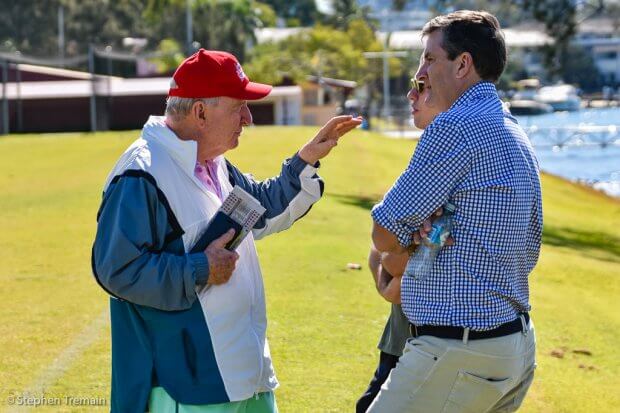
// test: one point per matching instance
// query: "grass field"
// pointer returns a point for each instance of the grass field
(325, 320)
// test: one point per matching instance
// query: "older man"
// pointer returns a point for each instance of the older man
(188, 329)
(473, 346)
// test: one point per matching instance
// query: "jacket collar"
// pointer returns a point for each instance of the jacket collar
(184, 152)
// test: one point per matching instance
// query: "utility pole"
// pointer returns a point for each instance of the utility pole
(385, 55)
(61, 34)
(20, 106)
(5, 98)
(93, 97)
(386, 81)
(189, 26)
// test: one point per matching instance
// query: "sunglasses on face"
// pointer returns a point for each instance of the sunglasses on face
(417, 85)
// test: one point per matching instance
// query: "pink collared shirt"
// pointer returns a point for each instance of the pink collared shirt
(208, 176)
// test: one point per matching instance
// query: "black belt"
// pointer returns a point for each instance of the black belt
(459, 333)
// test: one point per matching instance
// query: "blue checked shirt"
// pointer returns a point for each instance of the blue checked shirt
(478, 158)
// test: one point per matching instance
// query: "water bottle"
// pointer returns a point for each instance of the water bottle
(421, 261)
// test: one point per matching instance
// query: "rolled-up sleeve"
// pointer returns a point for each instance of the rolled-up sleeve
(440, 161)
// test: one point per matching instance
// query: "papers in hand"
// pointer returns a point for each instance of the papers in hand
(240, 211)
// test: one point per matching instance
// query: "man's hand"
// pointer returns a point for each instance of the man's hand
(391, 271)
(221, 261)
(425, 229)
(388, 285)
(394, 263)
(318, 147)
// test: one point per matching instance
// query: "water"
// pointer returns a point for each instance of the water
(592, 158)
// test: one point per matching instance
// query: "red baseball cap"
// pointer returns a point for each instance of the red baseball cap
(211, 73)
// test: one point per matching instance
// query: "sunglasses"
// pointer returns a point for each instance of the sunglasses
(418, 85)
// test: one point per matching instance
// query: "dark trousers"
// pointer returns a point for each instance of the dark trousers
(386, 363)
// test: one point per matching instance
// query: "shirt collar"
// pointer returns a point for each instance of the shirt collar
(480, 89)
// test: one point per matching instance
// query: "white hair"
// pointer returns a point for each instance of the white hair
(177, 108)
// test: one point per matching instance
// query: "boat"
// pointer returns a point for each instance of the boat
(561, 97)
(527, 89)
(527, 107)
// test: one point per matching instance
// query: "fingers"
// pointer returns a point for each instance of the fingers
(426, 227)
(417, 238)
(327, 138)
(333, 122)
(222, 264)
(439, 212)
(221, 261)
(346, 128)
(340, 124)
(349, 124)
(224, 239)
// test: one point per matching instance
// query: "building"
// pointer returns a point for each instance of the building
(601, 38)
(323, 98)
(44, 99)
(413, 16)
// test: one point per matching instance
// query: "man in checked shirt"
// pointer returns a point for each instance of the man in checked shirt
(473, 344)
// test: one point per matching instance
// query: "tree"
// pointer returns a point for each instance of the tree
(102, 23)
(303, 12)
(171, 55)
(346, 11)
(324, 52)
(29, 26)
(217, 24)
(507, 12)
(559, 18)
(514, 71)
(578, 67)
(321, 51)
(399, 5)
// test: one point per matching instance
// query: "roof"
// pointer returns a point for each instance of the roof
(275, 34)
(110, 86)
(346, 84)
(54, 71)
(412, 39)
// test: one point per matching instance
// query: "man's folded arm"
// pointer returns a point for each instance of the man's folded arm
(286, 197)
(388, 285)
(129, 258)
(439, 162)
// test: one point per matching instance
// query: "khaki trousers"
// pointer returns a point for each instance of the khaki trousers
(445, 375)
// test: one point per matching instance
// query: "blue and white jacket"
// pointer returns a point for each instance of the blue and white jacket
(203, 346)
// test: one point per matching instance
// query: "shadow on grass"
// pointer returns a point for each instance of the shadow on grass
(364, 202)
(583, 241)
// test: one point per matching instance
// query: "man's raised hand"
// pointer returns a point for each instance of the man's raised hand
(318, 147)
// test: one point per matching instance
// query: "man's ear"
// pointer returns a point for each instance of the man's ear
(464, 66)
(199, 112)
